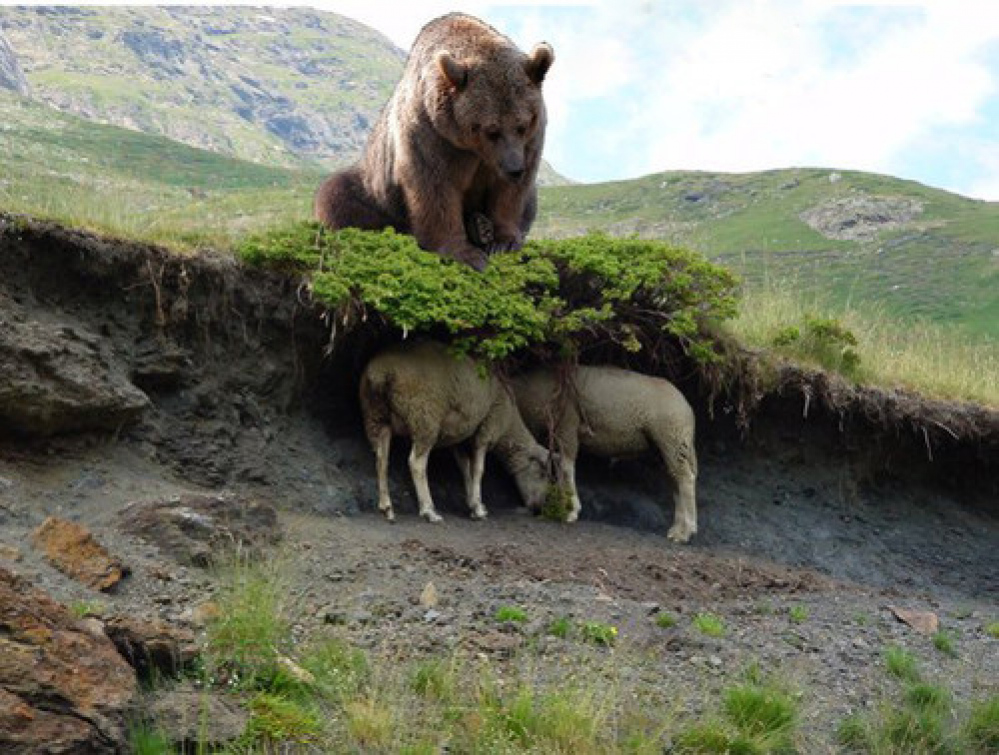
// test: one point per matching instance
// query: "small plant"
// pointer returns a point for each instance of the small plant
(560, 628)
(599, 633)
(511, 613)
(276, 718)
(824, 340)
(709, 624)
(902, 665)
(992, 630)
(931, 698)
(944, 642)
(757, 716)
(980, 730)
(862, 619)
(369, 724)
(665, 620)
(81, 609)
(760, 709)
(435, 679)
(144, 740)
(798, 614)
(340, 670)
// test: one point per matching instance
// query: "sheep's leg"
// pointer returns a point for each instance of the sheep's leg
(418, 458)
(382, 444)
(681, 463)
(475, 487)
(568, 481)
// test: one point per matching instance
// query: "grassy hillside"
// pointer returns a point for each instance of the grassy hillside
(858, 237)
(60, 166)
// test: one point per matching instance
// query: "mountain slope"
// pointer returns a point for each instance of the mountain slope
(281, 86)
(865, 238)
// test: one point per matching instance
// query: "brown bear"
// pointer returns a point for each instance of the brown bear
(455, 152)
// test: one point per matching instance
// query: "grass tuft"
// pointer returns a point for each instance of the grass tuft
(709, 625)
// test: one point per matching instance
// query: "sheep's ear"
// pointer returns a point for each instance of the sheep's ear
(454, 71)
(541, 59)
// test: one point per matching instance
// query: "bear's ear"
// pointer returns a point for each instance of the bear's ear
(453, 70)
(542, 57)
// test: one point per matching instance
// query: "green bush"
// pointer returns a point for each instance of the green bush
(823, 340)
(552, 295)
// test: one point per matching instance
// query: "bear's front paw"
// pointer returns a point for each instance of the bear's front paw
(474, 258)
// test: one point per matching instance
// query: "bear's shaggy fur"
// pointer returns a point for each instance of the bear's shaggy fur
(457, 146)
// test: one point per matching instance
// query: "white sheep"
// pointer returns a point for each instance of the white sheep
(614, 413)
(437, 400)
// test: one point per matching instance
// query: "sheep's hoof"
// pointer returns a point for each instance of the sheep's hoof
(571, 517)
(479, 514)
(432, 516)
(680, 534)
(389, 516)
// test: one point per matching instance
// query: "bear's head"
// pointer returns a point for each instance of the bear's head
(496, 108)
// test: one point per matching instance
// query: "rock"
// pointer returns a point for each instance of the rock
(11, 76)
(62, 689)
(196, 720)
(152, 647)
(925, 622)
(198, 529)
(428, 598)
(57, 378)
(72, 549)
(9, 553)
(860, 217)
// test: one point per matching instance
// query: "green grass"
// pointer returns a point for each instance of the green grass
(515, 614)
(665, 620)
(902, 664)
(992, 630)
(933, 359)
(757, 716)
(560, 627)
(923, 718)
(709, 625)
(797, 614)
(945, 643)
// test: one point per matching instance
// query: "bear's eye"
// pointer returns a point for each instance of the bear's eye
(521, 130)
(493, 135)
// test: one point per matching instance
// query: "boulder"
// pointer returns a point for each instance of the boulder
(72, 549)
(198, 529)
(154, 648)
(63, 688)
(56, 379)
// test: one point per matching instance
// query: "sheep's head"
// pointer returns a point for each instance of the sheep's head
(534, 476)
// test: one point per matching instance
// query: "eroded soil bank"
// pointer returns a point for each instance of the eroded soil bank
(844, 501)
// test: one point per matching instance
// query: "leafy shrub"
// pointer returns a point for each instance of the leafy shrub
(552, 295)
(823, 340)
(599, 633)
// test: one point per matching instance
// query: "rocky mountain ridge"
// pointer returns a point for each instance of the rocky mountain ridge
(281, 86)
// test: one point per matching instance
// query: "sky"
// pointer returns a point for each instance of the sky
(909, 89)
(639, 86)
